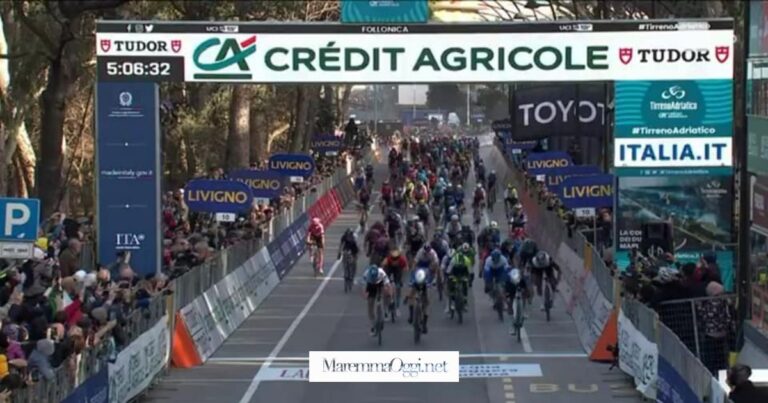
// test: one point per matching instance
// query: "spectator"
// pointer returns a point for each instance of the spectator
(742, 389)
(14, 333)
(69, 259)
(693, 287)
(40, 359)
(707, 270)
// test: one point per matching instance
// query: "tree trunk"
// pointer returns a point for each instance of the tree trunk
(24, 162)
(302, 113)
(52, 112)
(258, 135)
(237, 141)
(313, 107)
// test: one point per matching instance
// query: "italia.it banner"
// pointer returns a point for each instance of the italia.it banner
(673, 157)
(418, 53)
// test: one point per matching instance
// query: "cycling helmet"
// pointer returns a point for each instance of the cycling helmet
(518, 206)
(427, 247)
(511, 221)
(316, 220)
(514, 275)
(496, 255)
(349, 232)
(541, 260)
(386, 182)
(459, 187)
(372, 274)
(395, 253)
(454, 217)
(479, 185)
(493, 171)
(414, 218)
(494, 224)
(465, 247)
(420, 276)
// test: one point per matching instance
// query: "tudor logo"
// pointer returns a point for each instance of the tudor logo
(176, 45)
(105, 44)
(722, 53)
(625, 55)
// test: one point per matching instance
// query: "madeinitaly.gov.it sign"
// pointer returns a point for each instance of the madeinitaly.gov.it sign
(329, 53)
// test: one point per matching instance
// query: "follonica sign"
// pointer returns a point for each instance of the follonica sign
(424, 53)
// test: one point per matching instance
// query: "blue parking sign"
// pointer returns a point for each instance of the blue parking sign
(19, 219)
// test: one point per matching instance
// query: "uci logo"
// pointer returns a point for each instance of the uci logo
(674, 91)
(230, 52)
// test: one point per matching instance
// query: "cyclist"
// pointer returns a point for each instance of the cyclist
(454, 230)
(348, 243)
(509, 248)
(495, 270)
(369, 173)
(415, 236)
(510, 196)
(386, 193)
(398, 198)
(488, 239)
(427, 258)
(422, 211)
(380, 248)
(528, 249)
(479, 197)
(492, 184)
(418, 282)
(513, 276)
(420, 192)
(316, 236)
(376, 281)
(360, 180)
(458, 197)
(394, 224)
(395, 264)
(439, 244)
(543, 265)
(459, 271)
(480, 170)
(364, 198)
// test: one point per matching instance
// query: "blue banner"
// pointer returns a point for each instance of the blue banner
(292, 164)
(685, 108)
(542, 163)
(94, 390)
(671, 387)
(288, 246)
(218, 196)
(325, 144)
(556, 176)
(128, 173)
(595, 191)
(263, 184)
(400, 11)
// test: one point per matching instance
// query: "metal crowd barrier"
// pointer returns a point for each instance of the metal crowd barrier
(695, 374)
(91, 361)
(706, 326)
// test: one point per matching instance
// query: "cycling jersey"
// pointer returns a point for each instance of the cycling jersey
(460, 265)
(426, 259)
(495, 271)
(386, 191)
(316, 230)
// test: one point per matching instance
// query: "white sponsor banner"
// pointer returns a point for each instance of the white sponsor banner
(638, 357)
(584, 300)
(383, 366)
(465, 371)
(136, 365)
(686, 152)
(434, 57)
(213, 316)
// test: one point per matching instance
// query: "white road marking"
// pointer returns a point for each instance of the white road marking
(526, 342)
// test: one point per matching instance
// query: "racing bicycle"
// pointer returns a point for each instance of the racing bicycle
(348, 260)
(418, 316)
(548, 298)
(378, 326)
(498, 299)
(458, 299)
(315, 257)
(516, 308)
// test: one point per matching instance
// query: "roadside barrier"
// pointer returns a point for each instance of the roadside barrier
(663, 366)
(209, 302)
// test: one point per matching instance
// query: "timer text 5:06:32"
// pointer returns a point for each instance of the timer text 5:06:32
(138, 68)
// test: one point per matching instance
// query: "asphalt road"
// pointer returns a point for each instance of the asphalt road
(265, 360)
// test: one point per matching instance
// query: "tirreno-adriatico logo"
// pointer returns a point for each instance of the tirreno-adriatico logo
(228, 52)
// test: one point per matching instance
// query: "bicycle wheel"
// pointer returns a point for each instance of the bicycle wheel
(348, 277)
(379, 321)
(499, 306)
(518, 317)
(440, 289)
(458, 306)
(417, 318)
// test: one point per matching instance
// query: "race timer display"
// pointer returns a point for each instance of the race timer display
(158, 68)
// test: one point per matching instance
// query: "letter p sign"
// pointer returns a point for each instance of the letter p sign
(20, 218)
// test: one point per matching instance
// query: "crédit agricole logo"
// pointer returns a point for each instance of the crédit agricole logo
(215, 57)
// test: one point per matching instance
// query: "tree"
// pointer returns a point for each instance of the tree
(238, 149)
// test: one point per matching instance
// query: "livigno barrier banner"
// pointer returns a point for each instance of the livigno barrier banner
(218, 196)
(402, 11)
(543, 163)
(588, 191)
(700, 208)
(418, 53)
(128, 173)
(555, 176)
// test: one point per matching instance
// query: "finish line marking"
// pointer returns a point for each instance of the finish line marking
(465, 372)
(489, 355)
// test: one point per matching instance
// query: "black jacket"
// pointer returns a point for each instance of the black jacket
(749, 393)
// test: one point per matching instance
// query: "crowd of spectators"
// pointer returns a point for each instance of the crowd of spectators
(191, 238)
(52, 311)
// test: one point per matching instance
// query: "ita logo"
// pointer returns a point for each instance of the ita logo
(217, 58)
